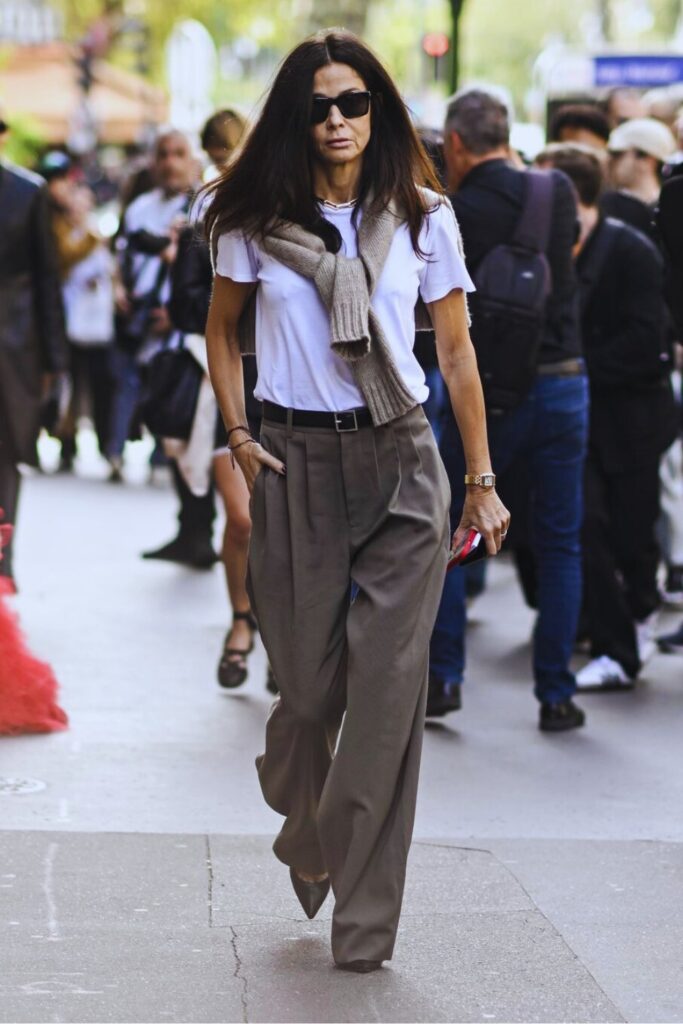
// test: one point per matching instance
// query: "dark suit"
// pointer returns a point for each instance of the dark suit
(632, 422)
(32, 338)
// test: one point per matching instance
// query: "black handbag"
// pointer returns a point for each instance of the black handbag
(170, 392)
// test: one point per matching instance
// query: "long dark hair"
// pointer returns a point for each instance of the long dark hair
(271, 179)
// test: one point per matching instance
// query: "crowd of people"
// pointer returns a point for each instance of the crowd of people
(272, 322)
(575, 273)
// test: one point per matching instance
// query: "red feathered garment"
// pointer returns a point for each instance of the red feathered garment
(28, 688)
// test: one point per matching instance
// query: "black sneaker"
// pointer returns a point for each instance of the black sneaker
(442, 698)
(671, 643)
(559, 717)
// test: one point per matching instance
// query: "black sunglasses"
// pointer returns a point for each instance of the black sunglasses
(349, 105)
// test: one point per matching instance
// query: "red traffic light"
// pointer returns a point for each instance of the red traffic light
(436, 44)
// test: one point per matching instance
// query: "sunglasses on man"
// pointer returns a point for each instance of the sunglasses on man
(349, 105)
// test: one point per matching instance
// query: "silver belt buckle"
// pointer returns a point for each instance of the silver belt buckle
(340, 420)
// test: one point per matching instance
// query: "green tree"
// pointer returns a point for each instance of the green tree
(350, 14)
(225, 19)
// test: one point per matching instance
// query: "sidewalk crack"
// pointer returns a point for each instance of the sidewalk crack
(209, 869)
(237, 973)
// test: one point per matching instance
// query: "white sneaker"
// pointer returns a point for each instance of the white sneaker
(603, 673)
(645, 637)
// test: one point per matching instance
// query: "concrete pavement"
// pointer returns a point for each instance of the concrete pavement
(546, 882)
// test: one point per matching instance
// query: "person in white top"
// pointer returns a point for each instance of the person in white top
(88, 292)
(146, 248)
(328, 228)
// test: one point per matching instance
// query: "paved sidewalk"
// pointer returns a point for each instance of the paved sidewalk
(136, 879)
(197, 928)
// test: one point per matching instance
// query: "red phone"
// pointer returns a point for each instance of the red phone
(471, 549)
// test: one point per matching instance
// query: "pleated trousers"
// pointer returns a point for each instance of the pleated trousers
(346, 566)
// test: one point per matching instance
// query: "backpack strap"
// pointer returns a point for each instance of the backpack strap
(592, 266)
(533, 227)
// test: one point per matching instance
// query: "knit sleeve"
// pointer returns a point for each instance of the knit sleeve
(237, 258)
(444, 268)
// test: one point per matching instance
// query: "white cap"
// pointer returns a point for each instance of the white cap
(646, 134)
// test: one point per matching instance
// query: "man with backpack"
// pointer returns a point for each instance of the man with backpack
(632, 422)
(518, 229)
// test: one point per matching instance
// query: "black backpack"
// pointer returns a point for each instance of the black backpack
(513, 282)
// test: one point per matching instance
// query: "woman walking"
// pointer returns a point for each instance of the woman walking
(325, 238)
(191, 284)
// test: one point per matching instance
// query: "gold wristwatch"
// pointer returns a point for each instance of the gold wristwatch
(480, 479)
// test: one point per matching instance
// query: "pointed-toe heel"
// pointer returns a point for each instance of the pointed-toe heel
(311, 895)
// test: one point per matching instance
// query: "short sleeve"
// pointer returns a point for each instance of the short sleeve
(236, 258)
(444, 269)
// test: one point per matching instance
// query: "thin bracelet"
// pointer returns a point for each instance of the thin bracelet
(232, 431)
(249, 440)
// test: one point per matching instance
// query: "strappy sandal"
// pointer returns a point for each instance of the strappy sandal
(232, 668)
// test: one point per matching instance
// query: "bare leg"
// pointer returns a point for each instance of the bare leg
(233, 490)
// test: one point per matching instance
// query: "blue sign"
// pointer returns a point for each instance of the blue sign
(643, 71)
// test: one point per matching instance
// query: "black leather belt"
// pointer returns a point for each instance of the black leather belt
(342, 422)
(565, 368)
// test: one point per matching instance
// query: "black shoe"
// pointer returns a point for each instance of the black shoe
(199, 554)
(115, 470)
(361, 966)
(559, 717)
(232, 668)
(441, 699)
(671, 643)
(311, 895)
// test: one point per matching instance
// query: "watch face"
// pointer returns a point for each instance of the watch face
(487, 479)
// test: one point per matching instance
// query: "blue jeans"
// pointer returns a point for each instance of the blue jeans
(128, 377)
(549, 429)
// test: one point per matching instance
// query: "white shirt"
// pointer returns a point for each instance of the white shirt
(296, 365)
(154, 212)
(89, 299)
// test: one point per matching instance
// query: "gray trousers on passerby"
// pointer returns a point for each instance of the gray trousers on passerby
(369, 507)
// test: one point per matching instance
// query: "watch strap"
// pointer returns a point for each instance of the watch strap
(480, 479)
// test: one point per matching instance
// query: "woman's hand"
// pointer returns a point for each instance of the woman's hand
(485, 512)
(252, 458)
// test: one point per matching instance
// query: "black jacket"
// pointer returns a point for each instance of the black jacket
(488, 205)
(32, 335)
(630, 210)
(188, 305)
(623, 325)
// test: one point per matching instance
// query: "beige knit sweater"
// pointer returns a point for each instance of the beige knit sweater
(346, 287)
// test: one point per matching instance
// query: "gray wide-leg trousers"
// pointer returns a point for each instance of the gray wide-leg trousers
(369, 508)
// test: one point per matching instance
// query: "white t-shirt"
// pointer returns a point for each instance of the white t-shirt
(154, 212)
(89, 299)
(296, 365)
